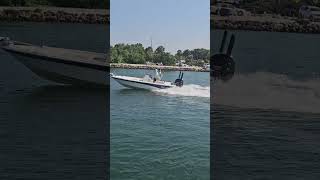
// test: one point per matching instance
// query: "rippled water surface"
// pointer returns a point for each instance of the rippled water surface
(161, 134)
(265, 121)
(49, 131)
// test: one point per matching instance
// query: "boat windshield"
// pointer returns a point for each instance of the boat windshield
(147, 77)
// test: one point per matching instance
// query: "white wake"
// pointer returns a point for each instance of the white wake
(269, 91)
(192, 90)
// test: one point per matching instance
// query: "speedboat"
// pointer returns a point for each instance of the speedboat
(63, 66)
(148, 82)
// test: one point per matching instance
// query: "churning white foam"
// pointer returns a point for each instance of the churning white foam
(259, 90)
(187, 90)
(269, 91)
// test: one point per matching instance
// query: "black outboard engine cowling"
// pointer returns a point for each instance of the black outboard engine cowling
(179, 81)
(223, 67)
(222, 64)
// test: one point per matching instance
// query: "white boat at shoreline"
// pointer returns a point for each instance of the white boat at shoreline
(64, 66)
(148, 82)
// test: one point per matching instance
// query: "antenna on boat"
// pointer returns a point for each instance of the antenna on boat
(225, 34)
(230, 47)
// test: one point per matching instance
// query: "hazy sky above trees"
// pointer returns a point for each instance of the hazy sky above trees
(175, 24)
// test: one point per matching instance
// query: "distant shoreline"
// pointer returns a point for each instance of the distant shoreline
(145, 66)
(269, 23)
(54, 14)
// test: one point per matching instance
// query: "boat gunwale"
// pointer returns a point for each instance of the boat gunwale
(161, 86)
(100, 66)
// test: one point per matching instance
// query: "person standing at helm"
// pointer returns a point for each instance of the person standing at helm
(158, 75)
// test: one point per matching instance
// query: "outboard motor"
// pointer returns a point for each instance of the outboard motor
(179, 81)
(222, 64)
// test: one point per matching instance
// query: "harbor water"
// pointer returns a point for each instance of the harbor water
(50, 131)
(161, 134)
(265, 121)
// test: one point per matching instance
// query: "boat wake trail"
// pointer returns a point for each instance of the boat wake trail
(269, 91)
(192, 90)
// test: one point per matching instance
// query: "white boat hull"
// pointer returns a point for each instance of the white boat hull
(64, 73)
(138, 83)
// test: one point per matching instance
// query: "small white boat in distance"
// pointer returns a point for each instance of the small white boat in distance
(148, 82)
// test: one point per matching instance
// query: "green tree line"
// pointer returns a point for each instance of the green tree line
(102, 4)
(137, 54)
(283, 7)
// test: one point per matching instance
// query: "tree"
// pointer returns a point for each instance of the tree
(187, 54)
(165, 58)
(168, 59)
(179, 55)
(200, 53)
(115, 56)
(137, 54)
(149, 54)
(159, 50)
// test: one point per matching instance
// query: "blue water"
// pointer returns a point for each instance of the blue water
(160, 134)
(265, 121)
(49, 131)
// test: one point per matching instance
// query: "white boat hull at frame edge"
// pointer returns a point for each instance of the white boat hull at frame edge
(64, 73)
(63, 66)
(139, 83)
